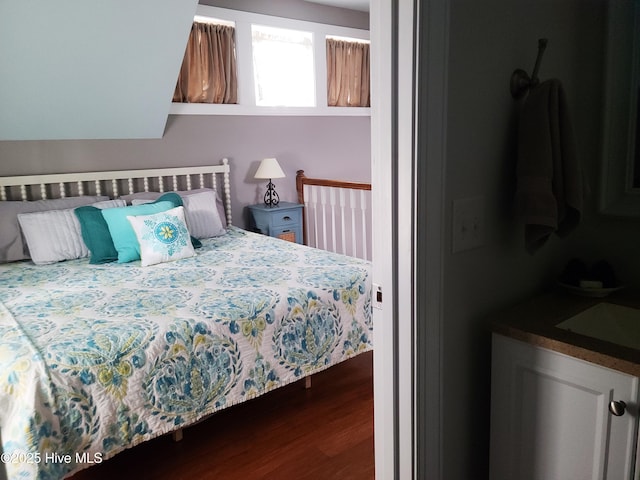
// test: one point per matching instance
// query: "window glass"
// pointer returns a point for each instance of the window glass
(283, 67)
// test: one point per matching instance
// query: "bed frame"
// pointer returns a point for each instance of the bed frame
(126, 182)
(348, 206)
(122, 182)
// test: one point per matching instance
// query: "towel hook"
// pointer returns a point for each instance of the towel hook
(520, 80)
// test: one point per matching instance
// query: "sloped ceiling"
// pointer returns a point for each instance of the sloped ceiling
(89, 69)
(361, 5)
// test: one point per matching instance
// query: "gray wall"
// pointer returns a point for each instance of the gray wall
(488, 40)
(299, 10)
(334, 147)
(329, 147)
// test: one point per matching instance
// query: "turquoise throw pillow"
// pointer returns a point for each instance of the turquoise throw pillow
(122, 234)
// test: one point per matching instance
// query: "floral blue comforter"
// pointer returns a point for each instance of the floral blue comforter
(98, 358)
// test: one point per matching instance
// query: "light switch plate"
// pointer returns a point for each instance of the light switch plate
(468, 223)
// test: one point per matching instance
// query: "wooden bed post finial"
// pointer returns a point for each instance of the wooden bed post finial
(299, 182)
(300, 176)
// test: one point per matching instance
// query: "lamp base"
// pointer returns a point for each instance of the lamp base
(271, 198)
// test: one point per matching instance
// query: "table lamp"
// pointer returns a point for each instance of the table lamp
(270, 168)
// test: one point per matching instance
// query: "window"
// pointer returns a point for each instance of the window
(347, 72)
(208, 73)
(281, 68)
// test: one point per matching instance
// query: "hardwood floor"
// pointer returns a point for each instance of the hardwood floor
(325, 432)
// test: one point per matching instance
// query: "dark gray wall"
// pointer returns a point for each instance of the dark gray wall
(488, 40)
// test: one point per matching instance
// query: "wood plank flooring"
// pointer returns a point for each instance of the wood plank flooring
(325, 432)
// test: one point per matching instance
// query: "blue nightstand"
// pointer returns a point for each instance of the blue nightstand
(282, 221)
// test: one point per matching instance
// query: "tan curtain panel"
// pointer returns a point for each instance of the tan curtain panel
(348, 76)
(208, 73)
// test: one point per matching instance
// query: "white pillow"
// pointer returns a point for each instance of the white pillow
(55, 235)
(203, 218)
(202, 215)
(12, 243)
(163, 236)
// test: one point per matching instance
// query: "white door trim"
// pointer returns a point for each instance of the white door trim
(384, 336)
(405, 228)
(408, 132)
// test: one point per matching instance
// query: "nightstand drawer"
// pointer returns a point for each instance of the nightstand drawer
(288, 236)
(286, 218)
(292, 234)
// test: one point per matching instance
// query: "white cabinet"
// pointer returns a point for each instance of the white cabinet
(550, 417)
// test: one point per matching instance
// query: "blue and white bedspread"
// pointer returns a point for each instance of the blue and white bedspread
(98, 358)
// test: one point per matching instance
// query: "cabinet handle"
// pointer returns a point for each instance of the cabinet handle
(617, 407)
(286, 218)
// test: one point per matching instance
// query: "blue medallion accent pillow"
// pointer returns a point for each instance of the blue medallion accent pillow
(123, 236)
(163, 236)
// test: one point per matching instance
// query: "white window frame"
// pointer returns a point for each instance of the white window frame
(246, 92)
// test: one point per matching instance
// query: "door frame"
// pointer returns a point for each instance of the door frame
(408, 144)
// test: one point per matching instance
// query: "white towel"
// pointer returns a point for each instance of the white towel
(549, 191)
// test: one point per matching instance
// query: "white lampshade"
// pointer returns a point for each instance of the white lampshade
(269, 168)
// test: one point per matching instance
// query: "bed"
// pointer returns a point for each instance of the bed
(98, 357)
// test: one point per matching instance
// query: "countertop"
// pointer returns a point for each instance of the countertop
(534, 321)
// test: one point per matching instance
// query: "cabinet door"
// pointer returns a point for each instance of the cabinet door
(550, 416)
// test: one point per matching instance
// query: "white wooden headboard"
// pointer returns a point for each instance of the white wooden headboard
(121, 182)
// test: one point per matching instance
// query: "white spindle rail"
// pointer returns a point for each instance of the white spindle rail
(337, 215)
(111, 179)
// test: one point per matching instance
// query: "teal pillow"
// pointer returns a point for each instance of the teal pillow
(122, 234)
(95, 235)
